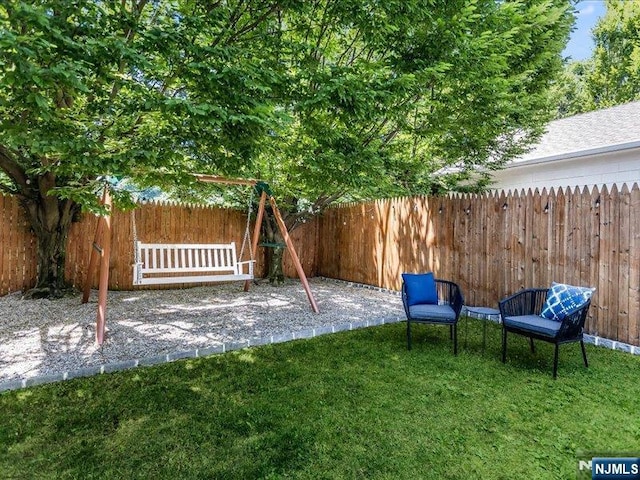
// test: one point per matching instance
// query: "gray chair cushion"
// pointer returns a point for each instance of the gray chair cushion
(432, 313)
(534, 323)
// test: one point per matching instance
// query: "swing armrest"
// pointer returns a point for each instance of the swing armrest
(250, 264)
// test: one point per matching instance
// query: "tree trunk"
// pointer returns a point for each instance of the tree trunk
(276, 270)
(276, 249)
(50, 219)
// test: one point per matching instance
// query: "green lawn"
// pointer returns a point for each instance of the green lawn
(350, 405)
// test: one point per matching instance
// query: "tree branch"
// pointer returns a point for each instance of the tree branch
(128, 37)
(250, 26)
(12, 168)
(295, 219)
(6, 189)
(350, 48)
(233, 19)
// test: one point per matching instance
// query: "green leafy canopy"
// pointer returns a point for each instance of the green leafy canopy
(324, 99)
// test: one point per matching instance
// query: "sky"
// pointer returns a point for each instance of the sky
(581, 44)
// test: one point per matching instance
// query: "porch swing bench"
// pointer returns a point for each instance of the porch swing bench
(164, 263)
(180, 263)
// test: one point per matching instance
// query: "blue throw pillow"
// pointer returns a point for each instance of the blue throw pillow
(421, 288)
(563, 300)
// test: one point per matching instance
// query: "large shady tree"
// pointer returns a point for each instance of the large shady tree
(407, 97)
(134, 88)
(325, 99)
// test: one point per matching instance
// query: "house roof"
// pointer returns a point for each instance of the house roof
(612, 129)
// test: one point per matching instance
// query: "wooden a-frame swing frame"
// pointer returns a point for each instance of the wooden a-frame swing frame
(101, 251)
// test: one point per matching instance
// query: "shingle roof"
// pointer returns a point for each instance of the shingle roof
(617, 125)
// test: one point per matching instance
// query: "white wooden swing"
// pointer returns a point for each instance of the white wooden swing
(160, 263)
(209, 262)
(175, 263)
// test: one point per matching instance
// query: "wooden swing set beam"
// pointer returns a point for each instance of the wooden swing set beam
(224, 180)
(256, 229)
(256, 232)
(294, 255)
(102, 248)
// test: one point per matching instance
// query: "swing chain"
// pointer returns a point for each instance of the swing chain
(137, 261)
(135, 230)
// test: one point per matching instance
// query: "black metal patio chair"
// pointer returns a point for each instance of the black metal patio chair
(443, 309)
(521, 314)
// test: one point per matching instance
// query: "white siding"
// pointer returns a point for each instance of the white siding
(602, 169)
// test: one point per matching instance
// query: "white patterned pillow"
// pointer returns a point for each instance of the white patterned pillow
(563, 300)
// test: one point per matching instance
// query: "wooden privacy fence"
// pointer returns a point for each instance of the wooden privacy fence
(495, 244)
(156, 222)
(17, 248)
(491, 244)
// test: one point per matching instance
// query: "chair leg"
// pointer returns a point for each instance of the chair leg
(408, 334)
(504, 345)
(533, 349)
(455, 339)
(584, 354)
(451, 332)
(555, 363)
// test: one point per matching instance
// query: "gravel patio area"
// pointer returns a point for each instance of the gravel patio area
(44, 340)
